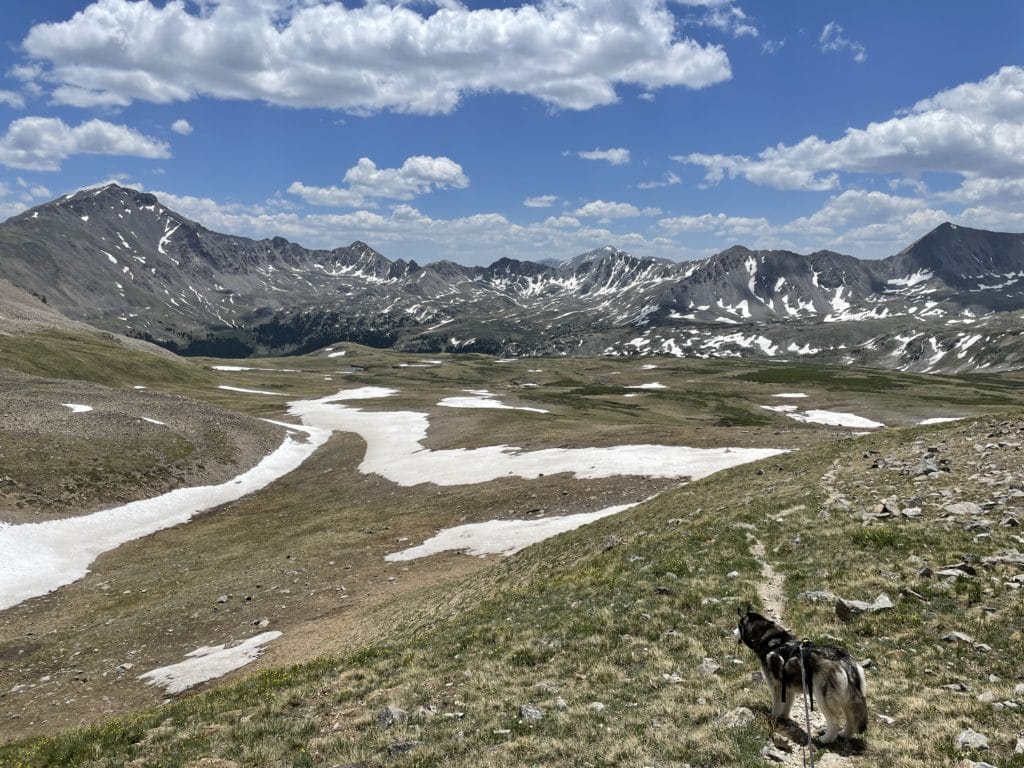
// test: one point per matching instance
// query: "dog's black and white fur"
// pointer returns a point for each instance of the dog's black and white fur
(834, 679)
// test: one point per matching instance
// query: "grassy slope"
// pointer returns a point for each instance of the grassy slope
(609, 613)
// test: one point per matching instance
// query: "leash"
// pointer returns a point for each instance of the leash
(808, 748)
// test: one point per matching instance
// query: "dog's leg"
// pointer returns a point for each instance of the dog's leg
(833, 713)
(772, 670)
(787, 705)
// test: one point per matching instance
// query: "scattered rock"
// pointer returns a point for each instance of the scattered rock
(737, 718)
(820, 596)
(391, 716)
(222, 599)
(772, 754)
(963, 508)
(529, 713)
(957, 637)
(971, 739)
(709, 667)
(847, 609)
(596, 707)
(403, 747)
(957, 687)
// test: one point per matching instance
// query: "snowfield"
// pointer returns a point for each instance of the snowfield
(37, 558)
(394, 450)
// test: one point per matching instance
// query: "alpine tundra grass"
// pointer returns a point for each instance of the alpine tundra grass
(585, 649)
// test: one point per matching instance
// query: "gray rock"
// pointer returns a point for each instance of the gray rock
(391, 716)
(819, 596)
(709, 667)
(403, 747)
(529, 713)
(881, 603)
(957, 637)
(847, 609)
(971, 739)
(222, 599)
(596, 707)
(963, 508)
(422, 714)
(737, 718)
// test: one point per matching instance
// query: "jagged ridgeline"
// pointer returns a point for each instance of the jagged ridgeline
(118, 259)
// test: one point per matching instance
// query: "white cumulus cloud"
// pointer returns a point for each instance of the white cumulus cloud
(975, 130)
(182, 126)
(12, 99)
(366, 182)
(370, 57)
(606, 211)
(615, 156)
(42, 143)
(540, 201)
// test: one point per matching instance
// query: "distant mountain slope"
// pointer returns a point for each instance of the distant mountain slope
(118, 259)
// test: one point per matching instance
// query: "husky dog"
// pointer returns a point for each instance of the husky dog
(832, 677)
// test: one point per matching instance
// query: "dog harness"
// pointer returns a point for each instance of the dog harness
(796, 650)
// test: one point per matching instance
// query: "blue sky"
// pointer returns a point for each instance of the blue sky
(473, 131)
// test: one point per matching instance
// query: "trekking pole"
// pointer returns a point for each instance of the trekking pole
(808, 748)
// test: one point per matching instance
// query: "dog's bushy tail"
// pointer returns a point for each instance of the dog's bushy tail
(857, 709)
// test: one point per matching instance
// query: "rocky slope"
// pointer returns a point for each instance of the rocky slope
(120, 260)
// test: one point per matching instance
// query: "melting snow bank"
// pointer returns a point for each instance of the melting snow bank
(501, 537)
(941, 420)
(76, 408)
(36, 558)
(208, 663)
(394, 450)
(483, 399)
(248, 391)
(828, 418)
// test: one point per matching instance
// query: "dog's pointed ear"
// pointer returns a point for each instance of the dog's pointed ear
(739, 611)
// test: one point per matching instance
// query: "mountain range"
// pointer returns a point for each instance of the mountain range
(120, 260)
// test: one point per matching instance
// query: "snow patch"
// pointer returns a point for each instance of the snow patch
(651, 385)
(248, 391)
(481, 398)
(827, 418)
(208, 663)
(500, 537)
(77, 408)
(37, 558)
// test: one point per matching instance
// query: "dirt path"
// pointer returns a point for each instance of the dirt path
(784, 745)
